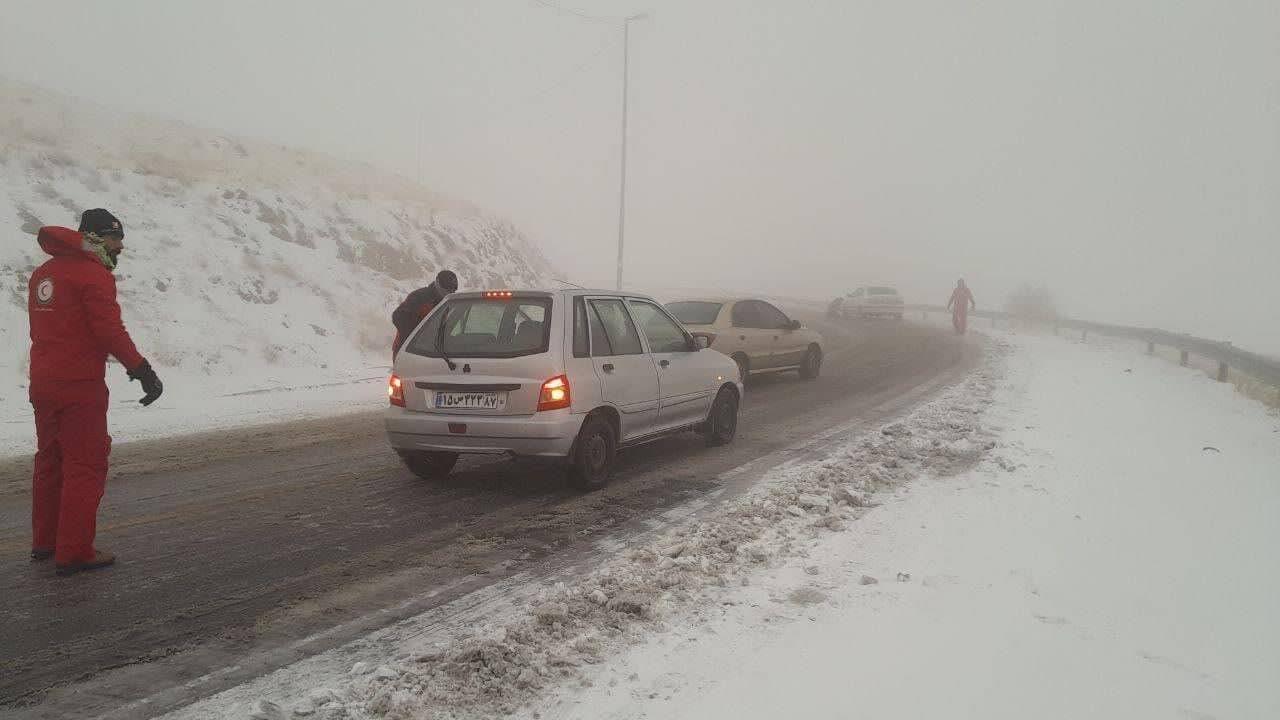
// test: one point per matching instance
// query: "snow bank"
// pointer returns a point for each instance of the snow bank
(1110, 559)
(247, 266)
(496, 667)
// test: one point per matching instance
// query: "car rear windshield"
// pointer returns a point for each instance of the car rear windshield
(881, 291)
(486, 327)
(693, 312)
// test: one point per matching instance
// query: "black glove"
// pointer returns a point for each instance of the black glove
(151, 384)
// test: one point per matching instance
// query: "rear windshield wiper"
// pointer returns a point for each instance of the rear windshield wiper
(444, 326)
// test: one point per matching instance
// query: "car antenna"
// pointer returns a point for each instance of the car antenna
(566, 282)
(444, 324)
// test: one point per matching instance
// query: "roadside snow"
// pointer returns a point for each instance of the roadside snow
(1112, 558)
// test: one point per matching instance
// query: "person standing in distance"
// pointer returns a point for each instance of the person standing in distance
(418, 304)
(959, 304)
(75, 325)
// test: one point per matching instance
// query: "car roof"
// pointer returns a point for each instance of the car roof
(546, 292)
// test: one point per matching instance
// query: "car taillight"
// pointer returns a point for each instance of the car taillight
(555, 394)
(395, 391)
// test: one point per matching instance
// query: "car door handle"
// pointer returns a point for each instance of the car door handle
(665, 363)
(607, 367)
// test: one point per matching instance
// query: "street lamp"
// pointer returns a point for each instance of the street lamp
(622, 184)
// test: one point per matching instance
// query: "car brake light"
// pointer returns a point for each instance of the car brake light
(498, 294)
(555, 394)
(395, 391)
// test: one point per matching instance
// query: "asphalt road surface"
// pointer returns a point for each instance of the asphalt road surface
(243, 551)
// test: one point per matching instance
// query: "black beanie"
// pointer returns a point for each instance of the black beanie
(100, 223)
(447, 281)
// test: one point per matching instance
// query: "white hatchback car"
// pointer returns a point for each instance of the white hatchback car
(572, 374)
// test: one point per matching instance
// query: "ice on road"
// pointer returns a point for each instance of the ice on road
(1112, 558)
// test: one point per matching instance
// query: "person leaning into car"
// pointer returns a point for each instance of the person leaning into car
(418, 305)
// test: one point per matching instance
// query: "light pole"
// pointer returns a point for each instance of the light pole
(622, 184)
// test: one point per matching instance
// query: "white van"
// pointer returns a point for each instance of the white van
(574, 374)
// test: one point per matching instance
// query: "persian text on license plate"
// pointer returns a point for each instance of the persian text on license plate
(471, 400)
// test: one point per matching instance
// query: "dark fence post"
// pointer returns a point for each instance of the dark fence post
(1222, 371)
(1182, 360)
(1151, 348)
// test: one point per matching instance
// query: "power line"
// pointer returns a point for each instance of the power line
(569, 75)
(575, 13)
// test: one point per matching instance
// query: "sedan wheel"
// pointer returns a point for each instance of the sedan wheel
(722, 422)
(812, 365)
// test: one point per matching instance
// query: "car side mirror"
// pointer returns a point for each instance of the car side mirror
(793, 325)
(702, 341)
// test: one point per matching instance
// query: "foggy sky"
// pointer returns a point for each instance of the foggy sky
(1125, 154)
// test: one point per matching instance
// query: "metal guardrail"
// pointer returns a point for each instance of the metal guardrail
(1225, 354)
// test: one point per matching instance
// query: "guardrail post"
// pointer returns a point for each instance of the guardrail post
(1182, 360)
(1151, 348)
(1222, 371)
(1084, 335)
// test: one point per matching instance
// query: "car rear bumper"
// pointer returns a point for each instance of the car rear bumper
(544, 434)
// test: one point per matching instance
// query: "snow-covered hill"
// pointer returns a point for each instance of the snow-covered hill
(242, 259)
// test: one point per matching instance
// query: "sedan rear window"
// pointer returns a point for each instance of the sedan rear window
(693, 312)
(486, 327)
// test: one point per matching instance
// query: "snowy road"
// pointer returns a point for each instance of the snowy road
(243, 552)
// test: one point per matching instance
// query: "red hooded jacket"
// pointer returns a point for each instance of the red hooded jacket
(75, 319)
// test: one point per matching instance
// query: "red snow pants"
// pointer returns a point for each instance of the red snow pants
(960, 320)
(70, 467)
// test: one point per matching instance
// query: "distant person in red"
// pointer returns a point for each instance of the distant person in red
(418, 305)
(75, 325)
(959, 304)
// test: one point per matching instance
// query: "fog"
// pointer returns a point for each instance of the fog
(1124, 154)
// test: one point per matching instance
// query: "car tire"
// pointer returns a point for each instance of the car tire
(811, 366)
(744, 366)
(591, 463)
(429, 465)
(722, 421)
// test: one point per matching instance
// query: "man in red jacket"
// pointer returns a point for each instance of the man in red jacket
(75, 325)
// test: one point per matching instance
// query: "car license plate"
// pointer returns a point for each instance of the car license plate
(471, 400)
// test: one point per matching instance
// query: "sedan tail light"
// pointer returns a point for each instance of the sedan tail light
(395, 391)
(554, 394)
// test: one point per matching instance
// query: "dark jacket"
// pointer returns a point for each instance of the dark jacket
(416, 306)
(75, 319)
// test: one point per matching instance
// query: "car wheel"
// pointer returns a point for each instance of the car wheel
(811, 367)
(744, 367)
(722, 421)
(429, 465)
(593, 453)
